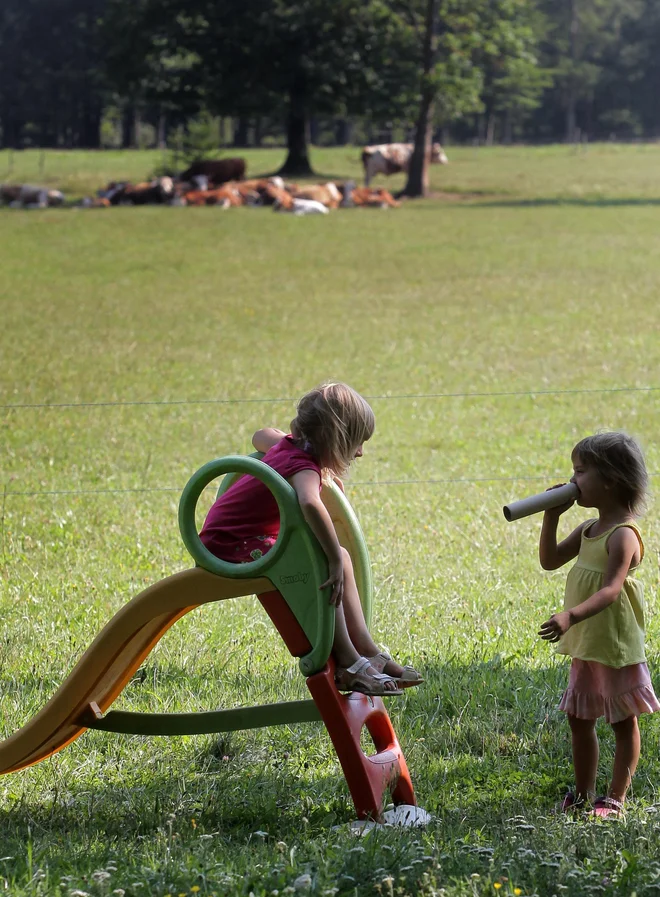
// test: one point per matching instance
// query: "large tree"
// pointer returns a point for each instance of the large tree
(469, 52)
(259, 57)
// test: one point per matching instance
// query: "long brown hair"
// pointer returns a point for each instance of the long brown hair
(333, 420)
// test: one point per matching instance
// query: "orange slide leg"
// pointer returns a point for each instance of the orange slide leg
(369, 778)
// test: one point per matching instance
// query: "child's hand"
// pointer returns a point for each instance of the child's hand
(558, 625)
(336, 580)
(561, 509)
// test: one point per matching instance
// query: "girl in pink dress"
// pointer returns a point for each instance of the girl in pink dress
(330, 428)
(602, 624)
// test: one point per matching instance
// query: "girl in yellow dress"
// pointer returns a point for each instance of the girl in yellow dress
(602, 624)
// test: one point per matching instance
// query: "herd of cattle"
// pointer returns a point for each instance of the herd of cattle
(222, 183)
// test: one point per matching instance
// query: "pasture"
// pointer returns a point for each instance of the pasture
(492, 330)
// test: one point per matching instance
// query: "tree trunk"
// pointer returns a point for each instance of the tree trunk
(90, 127)
(137, 128)
(342, 131)
(570, 117)
(12, 127)
(481, 129)
(161, 131)
(297, 160)
(241, 132)
(127, 125)
(490, 128)
(571, 99)
(508, 128)
(418, 169)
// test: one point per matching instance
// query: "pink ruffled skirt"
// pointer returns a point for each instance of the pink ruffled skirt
(595, 690)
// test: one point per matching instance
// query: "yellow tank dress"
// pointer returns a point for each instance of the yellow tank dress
(609, 676)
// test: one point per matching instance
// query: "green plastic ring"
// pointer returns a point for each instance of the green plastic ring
(283, 493)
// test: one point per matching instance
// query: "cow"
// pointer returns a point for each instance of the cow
(327, 194)
(303, 207)
(390, 158)
(279, 198)
(26, 196)
(255, 192)
(224, 196)
(373, 196)
(218, 171)
(158, 191)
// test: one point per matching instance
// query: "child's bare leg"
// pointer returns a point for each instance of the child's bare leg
(585, 756)
(345, 652)
(357, 625)
(626, 756)
(342, 646)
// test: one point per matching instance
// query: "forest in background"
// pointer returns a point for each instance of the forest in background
(198, 75)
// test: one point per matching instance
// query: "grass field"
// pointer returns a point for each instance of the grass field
(492, 334)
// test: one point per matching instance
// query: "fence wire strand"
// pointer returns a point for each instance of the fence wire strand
(348, 485)
(274, 401)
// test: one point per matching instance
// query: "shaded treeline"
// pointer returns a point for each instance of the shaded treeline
(89, 73)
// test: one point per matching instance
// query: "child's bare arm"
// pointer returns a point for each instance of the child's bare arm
(306, 483)
(622, 547)
(551, 554)
(265, 439)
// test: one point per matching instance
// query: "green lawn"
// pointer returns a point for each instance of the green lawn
(493, 333)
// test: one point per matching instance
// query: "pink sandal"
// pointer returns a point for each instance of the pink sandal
(607, 808)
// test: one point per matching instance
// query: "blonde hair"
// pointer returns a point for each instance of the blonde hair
(619, 460)
(333, 420)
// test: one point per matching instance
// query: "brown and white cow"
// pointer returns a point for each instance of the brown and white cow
(391, 158)
(218, 171)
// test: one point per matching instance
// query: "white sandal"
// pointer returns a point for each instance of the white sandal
(409, 676)
(357, 678)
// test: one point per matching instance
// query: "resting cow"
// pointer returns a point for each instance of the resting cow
(26, 196)
(218, 171)
(303, 207)
(222, 196)
(158, 191)
(391, 158)
(327, 194)
(374, 196)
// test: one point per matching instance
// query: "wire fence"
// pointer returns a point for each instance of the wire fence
(353, 485)
(372, 398)
(349, 485)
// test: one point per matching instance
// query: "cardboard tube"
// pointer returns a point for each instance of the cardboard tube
(552, 498)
